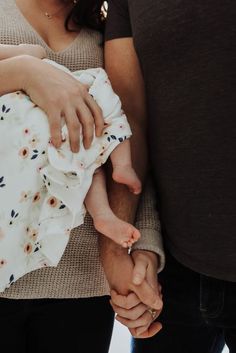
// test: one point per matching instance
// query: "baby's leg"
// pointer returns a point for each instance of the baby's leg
(105, 221)
(123, 171)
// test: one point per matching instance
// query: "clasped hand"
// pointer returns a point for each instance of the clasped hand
(134, 290)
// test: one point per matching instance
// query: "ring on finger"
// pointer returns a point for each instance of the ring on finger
(153, 312)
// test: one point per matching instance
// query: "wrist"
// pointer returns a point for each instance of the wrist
(25, 67)
(109, 248)
(18, 69)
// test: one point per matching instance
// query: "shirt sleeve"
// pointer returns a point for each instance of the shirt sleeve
(148, 222)
(118, 21)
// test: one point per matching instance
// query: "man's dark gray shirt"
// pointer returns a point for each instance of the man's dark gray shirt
(187, 51)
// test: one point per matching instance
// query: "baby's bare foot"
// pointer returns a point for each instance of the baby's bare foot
(119, 231)
(126, 175)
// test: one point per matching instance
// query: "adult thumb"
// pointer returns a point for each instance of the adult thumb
(139, 272)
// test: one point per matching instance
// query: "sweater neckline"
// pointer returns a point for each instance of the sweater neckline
(34, 31)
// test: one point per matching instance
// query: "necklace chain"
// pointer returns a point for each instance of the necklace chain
(51, 15)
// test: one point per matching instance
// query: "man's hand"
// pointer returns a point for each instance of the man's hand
(124, 71)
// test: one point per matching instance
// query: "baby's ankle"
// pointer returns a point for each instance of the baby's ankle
(125, 174)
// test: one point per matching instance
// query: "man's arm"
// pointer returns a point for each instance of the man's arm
(124, 72)
(122, 66)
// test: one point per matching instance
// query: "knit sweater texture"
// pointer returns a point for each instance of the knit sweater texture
(79, 273)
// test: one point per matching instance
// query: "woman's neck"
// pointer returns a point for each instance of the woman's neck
(52, 8)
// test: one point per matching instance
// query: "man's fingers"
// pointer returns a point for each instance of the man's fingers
(122, 301)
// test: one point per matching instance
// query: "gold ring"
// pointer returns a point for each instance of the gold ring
(153, 313)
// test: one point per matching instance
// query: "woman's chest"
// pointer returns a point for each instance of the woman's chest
(82, 52)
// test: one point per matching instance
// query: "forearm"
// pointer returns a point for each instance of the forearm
(122, 66)
(9, 51)
(122, 201)
(12, 74)
(125, 75)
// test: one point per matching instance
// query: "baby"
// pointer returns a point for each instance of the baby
(43, 189)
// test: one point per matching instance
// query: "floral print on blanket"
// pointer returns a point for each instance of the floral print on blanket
(42, 189)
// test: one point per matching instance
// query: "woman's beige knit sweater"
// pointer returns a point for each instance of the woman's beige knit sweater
(79, 273)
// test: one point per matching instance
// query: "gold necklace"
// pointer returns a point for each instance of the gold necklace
(51, 15)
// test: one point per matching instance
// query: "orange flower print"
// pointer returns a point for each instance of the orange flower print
(52, 201)
(26, 131)
(80, 164)
(36, 197)
(3, 262)
(24, 196)
(34, 141)
(33, 234)
(24, 152)
(28, 248)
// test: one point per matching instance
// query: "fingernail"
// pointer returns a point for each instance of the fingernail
(75, 149)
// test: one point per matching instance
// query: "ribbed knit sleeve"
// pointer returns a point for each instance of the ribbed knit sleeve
(147, 221)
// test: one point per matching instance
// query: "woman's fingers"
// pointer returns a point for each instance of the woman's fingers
(63, 91)
(131, 314)
(97, 115)
(90, 118)
(128, 302)
(74, 128)
(152, 330)
(146, 328)
(54, 119)
(143, 321)
(87, 123)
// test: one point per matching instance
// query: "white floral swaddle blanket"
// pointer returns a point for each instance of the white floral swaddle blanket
(42, 189)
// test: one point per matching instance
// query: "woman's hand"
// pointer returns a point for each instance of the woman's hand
(61, 96)
(138, 317)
